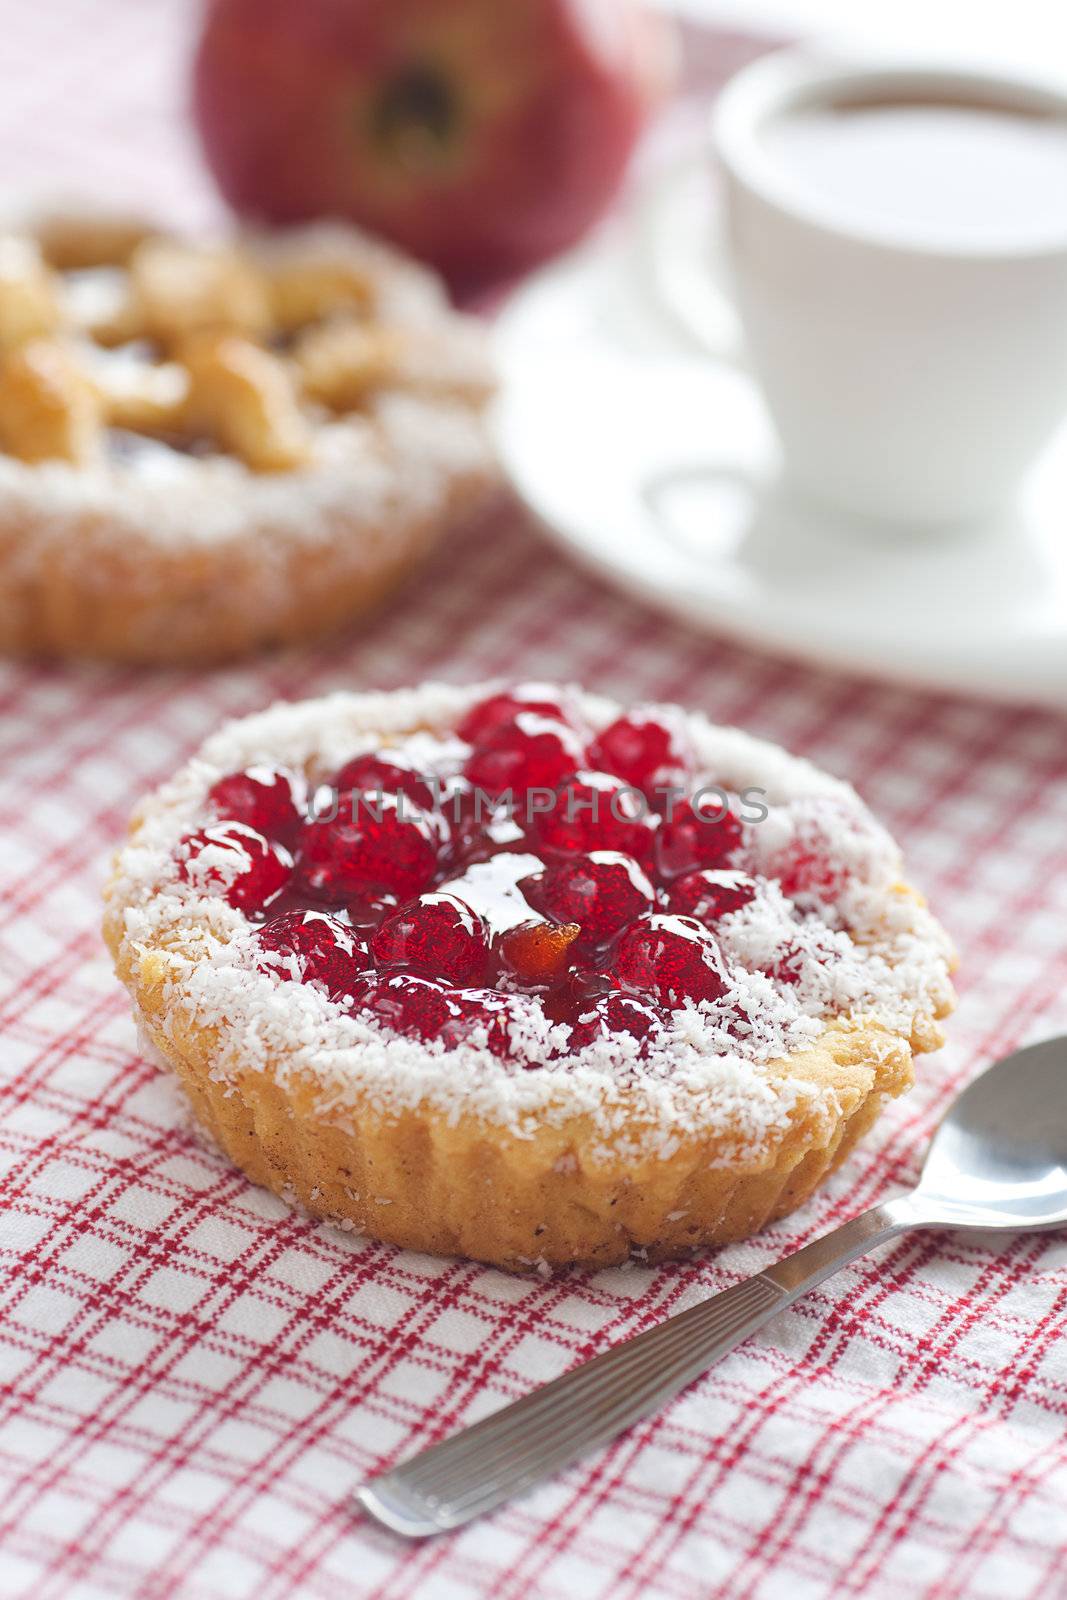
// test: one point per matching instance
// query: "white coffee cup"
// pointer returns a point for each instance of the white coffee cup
(909, 381)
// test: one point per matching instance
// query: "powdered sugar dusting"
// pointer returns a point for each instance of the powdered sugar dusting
(166, 497)
(794, 964)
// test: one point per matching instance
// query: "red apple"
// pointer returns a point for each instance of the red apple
(481, 135)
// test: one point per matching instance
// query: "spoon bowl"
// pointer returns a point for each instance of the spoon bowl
(999, 1158)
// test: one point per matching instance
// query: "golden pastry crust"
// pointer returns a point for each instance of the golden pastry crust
(132, 602)
(426, 1181)
(175, 486)
(440, 1171)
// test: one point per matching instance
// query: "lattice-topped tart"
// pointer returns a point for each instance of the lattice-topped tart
(207, 448)
(519, 975)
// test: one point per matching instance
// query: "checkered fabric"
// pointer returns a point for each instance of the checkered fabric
(192, 1376)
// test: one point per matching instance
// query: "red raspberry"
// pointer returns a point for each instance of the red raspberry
(424, 1009)
(476, 830)
(439, 936)
(649, 748)
(264, 798)
(526, 752)
(694, 838)
(602, 892)
(810, 874)
(311, 947)
(236, 862)
(594, 811)
(788, 967)
(483, 719)
(810, 868)
(379, 775)
(482, 1016)
(415, 1006)
(832, 843)
(463, 808)
(536, 953)
(707, 896)
(618, 1013)
(378, 847)
(672, 958)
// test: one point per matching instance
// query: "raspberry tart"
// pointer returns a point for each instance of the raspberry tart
(210, 448)
(517, 974)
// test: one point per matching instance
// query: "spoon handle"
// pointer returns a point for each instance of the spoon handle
(533, 1438)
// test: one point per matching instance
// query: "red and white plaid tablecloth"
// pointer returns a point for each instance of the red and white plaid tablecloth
(193, 1376)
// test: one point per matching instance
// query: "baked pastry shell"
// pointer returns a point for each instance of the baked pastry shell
(128, 598)
(213, 561)
(552, 1196)
(545, 1192)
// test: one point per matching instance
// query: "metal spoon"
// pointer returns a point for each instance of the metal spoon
(998, 1160)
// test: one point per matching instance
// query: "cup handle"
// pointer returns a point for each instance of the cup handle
(682, 264)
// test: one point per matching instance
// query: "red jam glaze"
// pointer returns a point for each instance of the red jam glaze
(375, 843)
(576, 995)
(418, 1007)
(229, 858)
(265, 798)
(692, 839)
(593, 811)
(368, 911)
(439, 936)
(707, 896)
(528, 751)
(477, 830)
(601, 892)
(313, 947)
(597, 953)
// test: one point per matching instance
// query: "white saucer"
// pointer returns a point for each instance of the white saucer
(654, 464)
